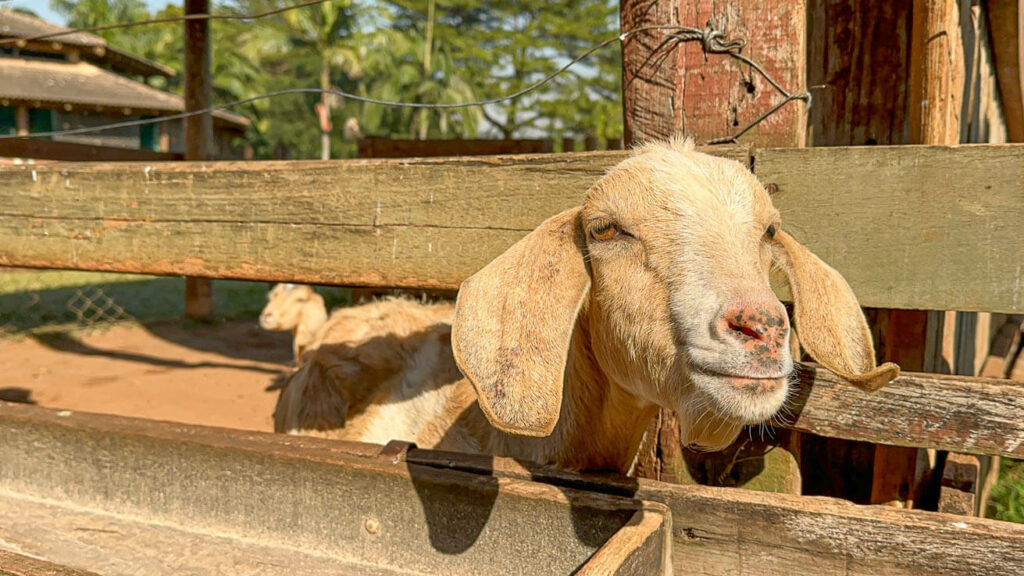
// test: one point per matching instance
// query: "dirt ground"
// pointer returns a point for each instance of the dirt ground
(217, 376)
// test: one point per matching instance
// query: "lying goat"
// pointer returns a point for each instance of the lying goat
(376, 372)
(295, 308)
(653, 293)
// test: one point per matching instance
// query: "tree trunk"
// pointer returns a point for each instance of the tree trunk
(325, 101)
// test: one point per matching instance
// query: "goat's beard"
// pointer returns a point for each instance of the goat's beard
(703, 429)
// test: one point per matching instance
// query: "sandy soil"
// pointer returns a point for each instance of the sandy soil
(216, 376)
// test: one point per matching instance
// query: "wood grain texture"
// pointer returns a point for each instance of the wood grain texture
(957, 413)
(1006, 22)
(721, 532)
(719, 95)
(12, 564)
(857, 67)
(734, 532)
(391, 223)
(937, 72)
(909, 227)
(651, 72)
(643, 547)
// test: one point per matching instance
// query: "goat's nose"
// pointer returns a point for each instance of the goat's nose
(747, 322)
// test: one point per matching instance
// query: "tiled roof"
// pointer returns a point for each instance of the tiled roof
(17, 25)
(58, 82)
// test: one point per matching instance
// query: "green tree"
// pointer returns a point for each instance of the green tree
(505, 46)
(314, 41)
(91, 13)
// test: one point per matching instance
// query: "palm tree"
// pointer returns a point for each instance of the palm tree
(313, 38)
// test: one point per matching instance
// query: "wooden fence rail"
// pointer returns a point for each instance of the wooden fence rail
(429, 223)
(320, 492)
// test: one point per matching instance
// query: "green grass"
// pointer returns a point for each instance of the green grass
(1007, 499)
(40, 301)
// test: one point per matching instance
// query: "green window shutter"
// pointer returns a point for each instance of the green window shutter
(40, 120)
(149, 136)
(8, 120)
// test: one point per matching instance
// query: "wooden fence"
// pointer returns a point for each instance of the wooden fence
(429, 223)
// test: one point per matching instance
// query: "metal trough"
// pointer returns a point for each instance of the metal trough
(112, 495)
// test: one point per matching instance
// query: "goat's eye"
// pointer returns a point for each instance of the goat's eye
(770, 231)
(604, 231)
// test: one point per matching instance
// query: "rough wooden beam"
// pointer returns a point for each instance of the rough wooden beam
(719, 96)
(389, 148)
(929, 211)
(198, 132)
(1006, 22)
(449, 513)
(430, 223)
(651, 72)
(957, 413)
(723, 531)
(74, 152)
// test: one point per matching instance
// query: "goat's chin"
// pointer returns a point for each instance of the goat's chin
(723, 405)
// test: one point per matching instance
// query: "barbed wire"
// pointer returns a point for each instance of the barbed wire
(165, 20)
(711, 39)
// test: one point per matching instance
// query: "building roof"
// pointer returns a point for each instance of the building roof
(57, 82)
(22, 26)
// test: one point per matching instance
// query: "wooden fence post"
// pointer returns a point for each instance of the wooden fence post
(198, 133)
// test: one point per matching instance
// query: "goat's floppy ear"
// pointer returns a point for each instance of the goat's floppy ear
(514, 321)
(828, 318)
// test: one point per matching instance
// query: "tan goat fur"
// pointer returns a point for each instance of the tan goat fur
(294, 308)
(653, 293)
(376, 372)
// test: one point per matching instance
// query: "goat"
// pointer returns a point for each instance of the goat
(294, 307)
(653, 294)
(376, 372)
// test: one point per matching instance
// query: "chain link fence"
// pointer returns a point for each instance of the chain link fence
(32, 300)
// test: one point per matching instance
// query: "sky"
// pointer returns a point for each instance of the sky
(42, 7)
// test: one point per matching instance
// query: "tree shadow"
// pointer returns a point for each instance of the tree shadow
(66, 342)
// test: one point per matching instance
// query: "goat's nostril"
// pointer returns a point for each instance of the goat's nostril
(757, 332)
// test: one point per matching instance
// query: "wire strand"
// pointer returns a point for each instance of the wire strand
(712, 41)
(167, 20)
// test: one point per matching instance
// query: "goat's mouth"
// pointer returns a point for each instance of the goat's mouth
(746, 383)
(743, 398)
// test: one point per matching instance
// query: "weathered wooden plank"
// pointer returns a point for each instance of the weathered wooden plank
(910, 227)
(474, 515)
(735, 532)
(721, 532)
(957, 413)
(17, 565)
(74, 152)
(1006, 20)
(643, 547)
(857, 68)
(345, 503)
(401, 223)
(389, 148)
(719, 95)
(311, 221)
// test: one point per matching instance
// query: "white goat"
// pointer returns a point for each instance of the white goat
(653, 293)
(296, 308)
